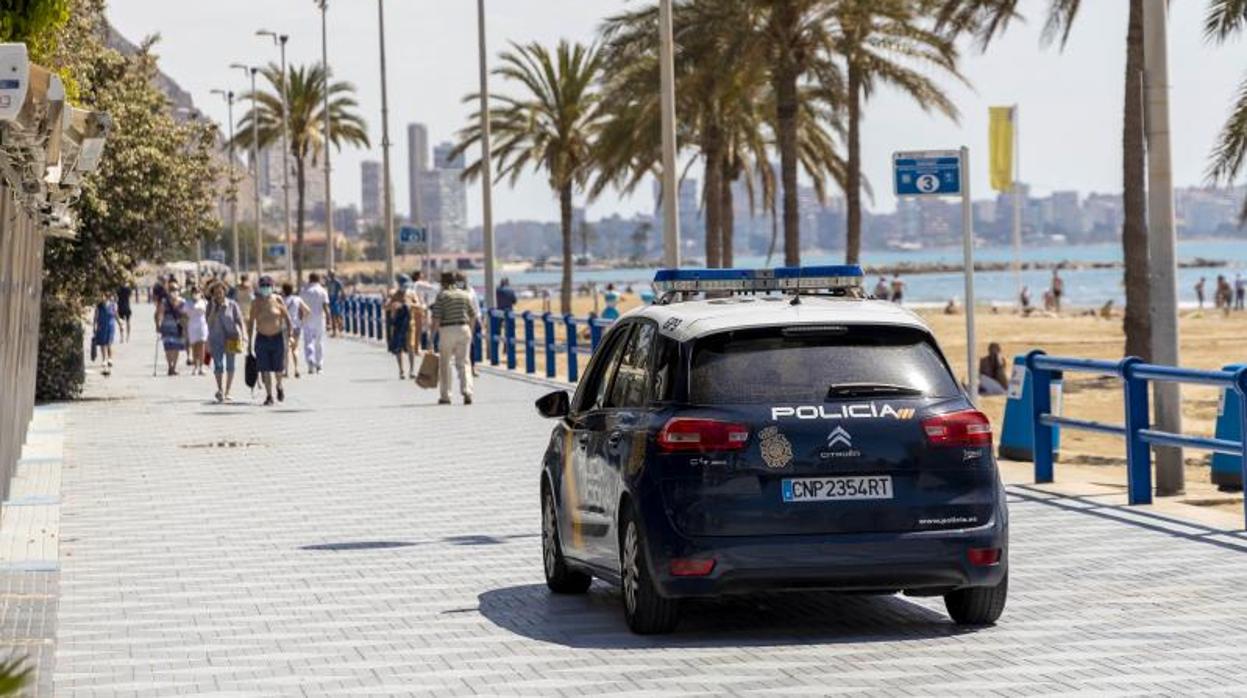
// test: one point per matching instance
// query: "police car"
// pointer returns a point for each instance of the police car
(763, 430)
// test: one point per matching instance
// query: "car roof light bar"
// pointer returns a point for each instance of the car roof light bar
(790, 279)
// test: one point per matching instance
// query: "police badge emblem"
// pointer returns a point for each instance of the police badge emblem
(776, 450)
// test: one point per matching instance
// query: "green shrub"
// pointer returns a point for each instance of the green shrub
(61, 372)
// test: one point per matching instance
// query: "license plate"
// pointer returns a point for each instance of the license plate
(826, 489)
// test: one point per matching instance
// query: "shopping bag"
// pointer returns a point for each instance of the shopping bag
(251, 372)
(427, 376)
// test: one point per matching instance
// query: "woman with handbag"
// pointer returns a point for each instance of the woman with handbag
(225, 330)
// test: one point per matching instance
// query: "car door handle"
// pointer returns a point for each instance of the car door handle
(614, 438)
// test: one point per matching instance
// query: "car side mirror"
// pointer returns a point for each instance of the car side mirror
(554, 405)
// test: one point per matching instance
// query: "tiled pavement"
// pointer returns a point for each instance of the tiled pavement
(360, 540)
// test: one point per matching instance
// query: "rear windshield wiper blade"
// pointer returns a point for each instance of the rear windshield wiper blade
(869, 389)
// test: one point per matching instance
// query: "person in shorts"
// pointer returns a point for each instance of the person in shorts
(266, 327)
(337, 301)
(297, 311)
(124, 311)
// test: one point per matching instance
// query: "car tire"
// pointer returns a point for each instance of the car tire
(561, 578)
(647, 611)
(977, 605)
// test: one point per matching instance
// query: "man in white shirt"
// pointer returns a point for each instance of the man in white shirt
(317, 300)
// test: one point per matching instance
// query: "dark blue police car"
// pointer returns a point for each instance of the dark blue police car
(761, 430)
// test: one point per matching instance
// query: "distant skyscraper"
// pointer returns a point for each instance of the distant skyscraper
(417, 166)
(370, 182)
(445, 202)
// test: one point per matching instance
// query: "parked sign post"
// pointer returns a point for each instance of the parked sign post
(410, 236)
(943, 173)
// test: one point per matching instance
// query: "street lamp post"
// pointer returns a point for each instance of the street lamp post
(255, 169)
(280, 40)
(670, 197)
(385, 154)
(233, 190)
(487, 175)
(324, 63)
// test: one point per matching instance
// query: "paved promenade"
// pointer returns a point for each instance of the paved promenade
(361, 540)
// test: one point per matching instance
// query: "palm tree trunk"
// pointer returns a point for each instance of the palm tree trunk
(712, 153)
(300, 185)
(565, 216)
(853, 187)
(727, 222)
(1137, 322)
(786, 118)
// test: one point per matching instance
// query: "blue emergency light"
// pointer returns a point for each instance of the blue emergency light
(791, 279)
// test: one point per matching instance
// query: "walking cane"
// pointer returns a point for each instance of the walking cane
(156, 357)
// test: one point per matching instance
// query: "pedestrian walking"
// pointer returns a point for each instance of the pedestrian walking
(881, 289)
(505, 297)
(1225, 294)
(297, 311)
(268, 321)
(124, 311)
(243, 294)
(398, 331)
(1240, 291)
(426, 293)
(170, 324)
(1058, 290)
(225, 331)
(337, 300)
(454, 314)
(1199, 292)
(1024, 299)
(316, 298)
(103, 332)
(195, 310)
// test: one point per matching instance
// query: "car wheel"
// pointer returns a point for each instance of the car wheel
(977, 605)
(559, 577)
(647, 611)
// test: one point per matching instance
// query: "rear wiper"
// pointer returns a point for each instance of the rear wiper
(869, 389)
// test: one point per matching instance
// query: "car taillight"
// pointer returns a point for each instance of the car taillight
(702, 435)
(964, 428)
(983, 557)
(692, 567)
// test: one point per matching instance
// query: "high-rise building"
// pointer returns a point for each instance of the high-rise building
(417, 166)
(370, 192)
(444, 201)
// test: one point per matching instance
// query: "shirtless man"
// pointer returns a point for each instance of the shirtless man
(265, 323)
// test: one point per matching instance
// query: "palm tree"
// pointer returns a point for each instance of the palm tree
(885, 42)
(1226, 18)
(305, 121)
(987, 19)
(550, 126)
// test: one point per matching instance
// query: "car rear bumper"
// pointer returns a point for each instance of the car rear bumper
(921, 562)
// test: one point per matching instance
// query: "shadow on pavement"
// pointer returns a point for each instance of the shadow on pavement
(595, 620)
(359, 545)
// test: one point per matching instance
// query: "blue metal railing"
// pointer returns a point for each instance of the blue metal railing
(504, 333)
(1137, 430)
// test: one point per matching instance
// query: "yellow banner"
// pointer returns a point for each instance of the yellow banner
(1000, 147)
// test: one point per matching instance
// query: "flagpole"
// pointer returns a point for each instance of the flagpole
(1017, 207)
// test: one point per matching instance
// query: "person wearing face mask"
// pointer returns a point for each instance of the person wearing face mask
(195, 308)
(169, 324)
(265, 326)
(225, 329)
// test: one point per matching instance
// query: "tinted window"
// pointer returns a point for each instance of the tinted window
(598, 381)
(666, 357)
(630, 379)
(800, 364)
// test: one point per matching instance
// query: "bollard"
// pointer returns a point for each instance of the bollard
(547, 320)
(508, 318)
(493, 338)
(530, 345)
(572, 374)
(595, 333)
(1138, 452)
(1041, 404)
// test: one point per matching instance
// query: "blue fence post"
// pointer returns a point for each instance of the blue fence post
(508, 318)
(476, 346)
(379, 315)
(572, 373)
(1240, 385)
(1041, 404)
(366, 308)
(595, 333)
(530, 343)
(493, 338)
(346, 315)
(547, 319)
(1138, 417)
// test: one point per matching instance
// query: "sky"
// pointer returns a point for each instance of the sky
(1070, 101)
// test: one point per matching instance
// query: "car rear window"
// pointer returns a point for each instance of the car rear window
(800, 364)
